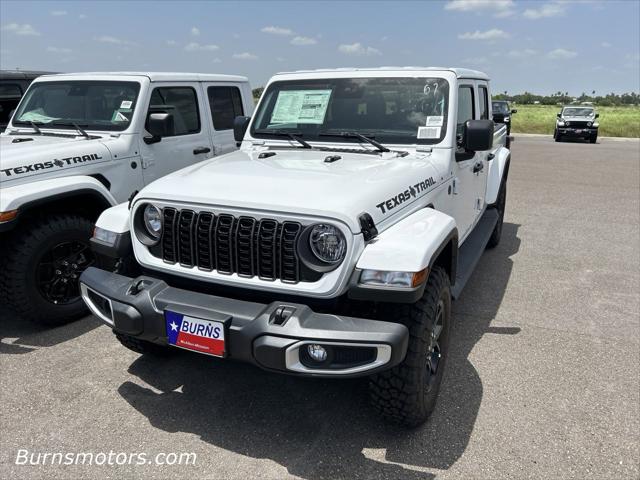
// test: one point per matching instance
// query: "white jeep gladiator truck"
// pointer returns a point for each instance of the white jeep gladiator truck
(80, 143)
(331, 244)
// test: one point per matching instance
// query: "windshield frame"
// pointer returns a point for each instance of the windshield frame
(267, 104)
(68, 122)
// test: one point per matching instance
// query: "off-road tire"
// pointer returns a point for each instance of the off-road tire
(22, 252)
(556, 136)
(499, 206)
(141, 346)
(401, 394)
(593, 138)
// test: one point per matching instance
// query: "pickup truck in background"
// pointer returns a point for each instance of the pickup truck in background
(13, 84)
(80, 143)
(331, 244)
(502, 113)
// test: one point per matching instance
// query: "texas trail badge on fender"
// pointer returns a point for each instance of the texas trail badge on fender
(199, 335)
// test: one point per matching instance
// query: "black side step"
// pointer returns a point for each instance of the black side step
(472, 249)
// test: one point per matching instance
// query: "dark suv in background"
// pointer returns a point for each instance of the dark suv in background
(13, 84)
(502, 113)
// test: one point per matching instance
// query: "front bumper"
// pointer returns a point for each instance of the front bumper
(262, 334)
(577, 132)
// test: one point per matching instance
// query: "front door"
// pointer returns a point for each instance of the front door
(190, 141)
(469, 166)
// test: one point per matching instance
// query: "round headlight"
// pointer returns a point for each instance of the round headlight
(327, 243)
(152, 221)
(566, 123)
(589, 124)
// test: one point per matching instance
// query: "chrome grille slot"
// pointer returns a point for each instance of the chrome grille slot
(242, 245)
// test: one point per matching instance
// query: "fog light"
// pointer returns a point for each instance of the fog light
(317, 352)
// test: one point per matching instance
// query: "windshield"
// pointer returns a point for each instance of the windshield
(87, 104)
(389, 110)
(577, 112)
(500, 107)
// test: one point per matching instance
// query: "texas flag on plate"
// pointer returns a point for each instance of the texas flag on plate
(197, 334)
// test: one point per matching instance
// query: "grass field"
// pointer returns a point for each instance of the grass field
(614, 121)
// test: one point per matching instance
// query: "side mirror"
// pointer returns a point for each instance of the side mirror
(514, 111)
(558, 115)
(240, 125)
(159, 125)
(597, 115)
(478, 135)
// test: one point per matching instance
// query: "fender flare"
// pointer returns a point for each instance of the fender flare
(30, 195)
(498, 169)
(412, 244)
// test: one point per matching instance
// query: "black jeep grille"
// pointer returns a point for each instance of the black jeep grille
(242, 245)
(577, 124)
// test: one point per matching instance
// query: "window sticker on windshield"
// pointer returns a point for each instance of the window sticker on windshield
(126, 104)
(119, 117)
(435, 121)
(428, 132)
(301, 106)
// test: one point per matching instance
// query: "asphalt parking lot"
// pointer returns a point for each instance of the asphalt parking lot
(543, 381)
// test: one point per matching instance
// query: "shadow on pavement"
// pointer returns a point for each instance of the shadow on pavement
(320, 428)
(19, 336)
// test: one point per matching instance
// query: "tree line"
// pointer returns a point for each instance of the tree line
(563, 98)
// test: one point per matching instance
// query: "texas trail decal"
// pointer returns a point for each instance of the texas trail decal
(195, 334)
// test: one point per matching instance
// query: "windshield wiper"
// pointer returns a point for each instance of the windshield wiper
(74, 125)
(36, 128)
(357, 135)
(283, 133)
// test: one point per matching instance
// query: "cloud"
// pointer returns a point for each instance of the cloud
(301, 41)
(501, 8)
(605, 45)
(245, 56)
(58, 13)
(527, 52)
(273, 30)
(561, 54)
(280, 59)
(358, 49)
(216, 60)
(195, 31)
(196, 47)
(171, 43)
(551, 9)
(20, 29)
(58, 50)
(493, 34)
(82, 16)
(114, 41)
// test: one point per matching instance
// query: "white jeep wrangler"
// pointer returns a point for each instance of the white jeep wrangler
(331, 244)
(80, 143)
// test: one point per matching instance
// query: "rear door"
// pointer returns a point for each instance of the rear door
(224, 104)
(190, 142)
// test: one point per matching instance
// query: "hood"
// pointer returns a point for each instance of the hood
(302, 182)
(24, 156)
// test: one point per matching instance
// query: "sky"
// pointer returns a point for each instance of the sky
(539, 46)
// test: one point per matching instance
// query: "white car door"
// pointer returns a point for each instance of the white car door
(224, 104)
(190, 142)
(468, 165)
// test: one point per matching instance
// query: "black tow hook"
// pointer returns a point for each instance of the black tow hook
(136, 288)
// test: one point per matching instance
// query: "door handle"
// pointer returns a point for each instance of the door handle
(199, 150)
(478, 167)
